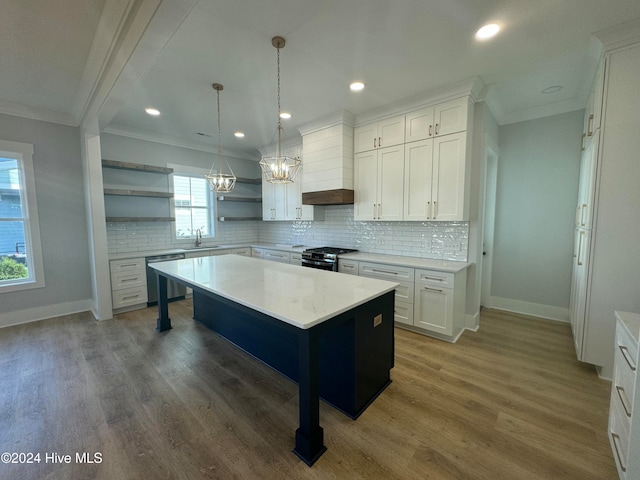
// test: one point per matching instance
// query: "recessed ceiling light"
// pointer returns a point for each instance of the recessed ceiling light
(239, 134)
(487, 31)
(154, 112)
(552, 89)
(285, 115)
(356, 86)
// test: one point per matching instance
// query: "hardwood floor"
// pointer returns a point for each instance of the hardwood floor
(507, 402)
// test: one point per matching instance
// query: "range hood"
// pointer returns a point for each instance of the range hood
(327, 165)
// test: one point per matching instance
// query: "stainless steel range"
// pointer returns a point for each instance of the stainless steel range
(323, 258)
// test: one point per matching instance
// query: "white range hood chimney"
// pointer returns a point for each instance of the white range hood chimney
(327, 157)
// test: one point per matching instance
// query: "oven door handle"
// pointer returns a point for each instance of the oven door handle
(319, 263)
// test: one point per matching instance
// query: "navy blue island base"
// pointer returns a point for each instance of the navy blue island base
(345, 360)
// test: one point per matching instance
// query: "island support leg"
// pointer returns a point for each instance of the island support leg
(309, 436)
(163, 322)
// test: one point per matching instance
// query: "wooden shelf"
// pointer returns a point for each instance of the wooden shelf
(252, 181)
(231, 198)
(137, 167)
(137, 193)
(139, 219)
(239, 219)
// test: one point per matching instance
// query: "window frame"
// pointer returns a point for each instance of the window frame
(212, 206)
(23, 153)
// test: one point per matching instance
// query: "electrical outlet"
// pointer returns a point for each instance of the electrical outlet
(377, 320)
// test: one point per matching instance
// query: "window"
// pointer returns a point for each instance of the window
(21, 265)
(193, 206)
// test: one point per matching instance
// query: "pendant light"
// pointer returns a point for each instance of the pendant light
(219, 181)
(279, 168)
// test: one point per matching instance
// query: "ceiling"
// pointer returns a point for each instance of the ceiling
(55, 55)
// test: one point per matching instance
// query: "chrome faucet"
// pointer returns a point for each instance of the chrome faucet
(198, 237)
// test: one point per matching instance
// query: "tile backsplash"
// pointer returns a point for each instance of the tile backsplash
(436, 240)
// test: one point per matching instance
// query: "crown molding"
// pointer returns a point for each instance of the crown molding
(532, 113)
(35, 113)
(341, 117)
(174, 142)
(619, 35)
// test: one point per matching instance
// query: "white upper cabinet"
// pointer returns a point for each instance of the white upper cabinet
(443, 119)
(382, 134)
(434, 186)
(379, 183)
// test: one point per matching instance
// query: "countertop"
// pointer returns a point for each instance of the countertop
(213, 248)
(632, 322)
(412, 262)
(302, 297)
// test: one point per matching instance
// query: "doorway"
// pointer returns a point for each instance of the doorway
(488, 224)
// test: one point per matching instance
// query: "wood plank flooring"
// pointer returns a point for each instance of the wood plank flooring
(507, 402)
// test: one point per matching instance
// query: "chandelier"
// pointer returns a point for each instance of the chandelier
(217, 179)
(279, 168)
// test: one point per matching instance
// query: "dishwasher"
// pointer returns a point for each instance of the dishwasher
(175, 290)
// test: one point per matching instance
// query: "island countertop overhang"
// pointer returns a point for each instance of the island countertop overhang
(302, 297)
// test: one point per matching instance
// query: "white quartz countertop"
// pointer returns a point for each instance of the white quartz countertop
(212, 248)
(412, 262)
(632, 322)
(300, 296)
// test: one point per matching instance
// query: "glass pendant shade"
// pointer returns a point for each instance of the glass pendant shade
(219, 180)
(279, 168)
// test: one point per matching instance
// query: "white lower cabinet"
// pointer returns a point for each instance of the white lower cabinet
(403, 312)
(295, 258)
(272, 255)
(624, 414)
(128, 283)
(244, 251)
(348, 266)
(439, 302)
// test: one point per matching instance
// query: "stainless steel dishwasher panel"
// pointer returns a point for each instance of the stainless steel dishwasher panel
(175, 291)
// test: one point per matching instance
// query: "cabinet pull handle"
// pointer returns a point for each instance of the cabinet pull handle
(430, 130)
(374, 211)
(379, 142)
(374, 142)
(435, 209)
(384, 271)
(590, 131)
(584, 135)
(134, 279)
(437, 129)
(625, 354)
(433, 278)
(434, 289)
(620, 391)
(584, 207)
(616, 439)
(128, 265)
(379, 210)
(428, 210)
(130, 297)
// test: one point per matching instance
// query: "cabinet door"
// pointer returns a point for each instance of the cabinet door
(365, 183)
(434, 309)
(365, 138)
(419, 125)
(578, 313)
(390, 183)
(587, 182)
(449, 158)
(451, 117)
(268, 201)
(391, 132)
(418, 164)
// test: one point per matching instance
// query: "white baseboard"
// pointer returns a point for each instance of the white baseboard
(534, 309)
(472, 322)
(41, 313)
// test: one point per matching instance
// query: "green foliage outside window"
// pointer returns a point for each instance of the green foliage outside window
(10, 269)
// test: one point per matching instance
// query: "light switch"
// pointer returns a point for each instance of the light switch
(377, 320)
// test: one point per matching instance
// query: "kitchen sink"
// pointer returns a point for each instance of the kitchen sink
(201, 247)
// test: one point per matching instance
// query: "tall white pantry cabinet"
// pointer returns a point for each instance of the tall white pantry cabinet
(607, 258)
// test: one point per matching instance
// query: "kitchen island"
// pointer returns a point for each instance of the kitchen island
(331, 333)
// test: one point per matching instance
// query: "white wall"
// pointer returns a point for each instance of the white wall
(63, 228)
(535, 205)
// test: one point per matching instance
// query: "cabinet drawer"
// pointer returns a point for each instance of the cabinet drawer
(257, 252)
(129, 297)
(619, 436)
(129, 265)
(404, 292)
(348, 266)
(622, 387)
(386, 272)
(628, 347)
(245, 252)
(276, 256)
(434, 278)
(295, 258)
(403, 313)
(128, 279)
